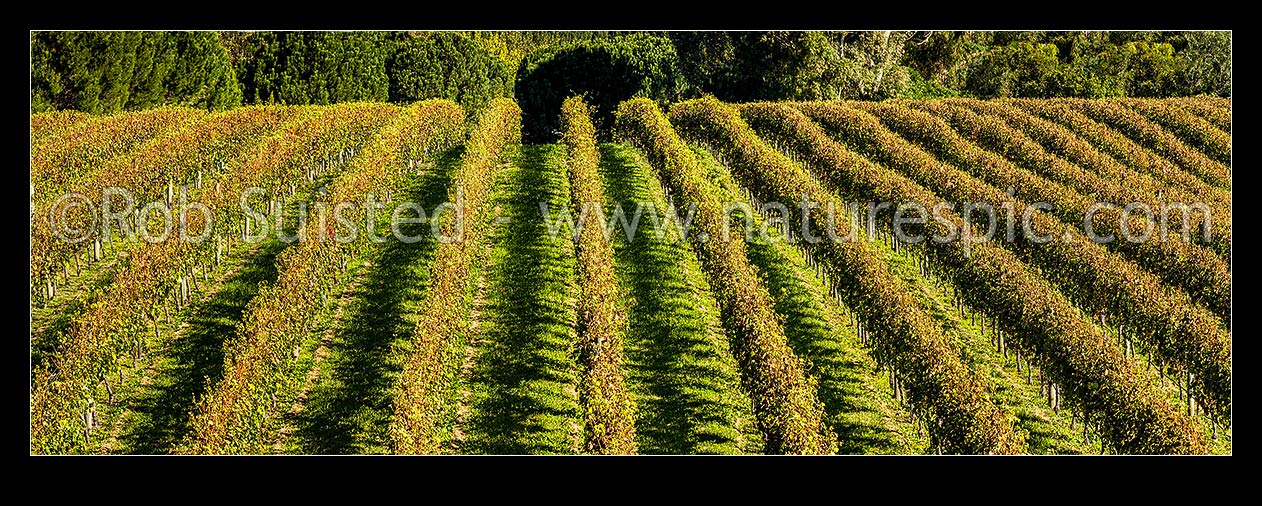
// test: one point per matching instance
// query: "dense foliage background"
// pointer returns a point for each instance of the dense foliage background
(606, 71)
(105, 72)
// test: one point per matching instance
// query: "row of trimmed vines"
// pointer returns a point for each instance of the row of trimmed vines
(1060, 141)
(602, 320)
(1191, 267)
(1152, 136)
(942, 391)
(1124, 405)
(65, 151)
(1183, 336)
(1176, 182)
(49, 126)
(934, 135)
(1191, 128)
(159, 277)
(1216, 110)
(431, 368)
(785, 401)
(177, 158)
(233, 416)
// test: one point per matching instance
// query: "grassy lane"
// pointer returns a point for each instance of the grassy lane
(1019, 392)
(522, 396)
(347, 409)
(155, 418)
(864, 414)
(1048, 431)
(189, 354)
(680, 370)
(861, 406)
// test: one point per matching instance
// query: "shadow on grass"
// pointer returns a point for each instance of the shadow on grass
(865, 418)
(843, 373)
(523, 394)
(1049, 431)
(685, 382)
(348, 410)
(160, 410)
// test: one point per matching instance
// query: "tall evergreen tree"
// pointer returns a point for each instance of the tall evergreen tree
(450, 66)
(315, 67)
(106, 72)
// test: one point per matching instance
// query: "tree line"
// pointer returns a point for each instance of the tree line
(105, 72)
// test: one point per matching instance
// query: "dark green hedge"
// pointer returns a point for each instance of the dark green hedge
(604, 71)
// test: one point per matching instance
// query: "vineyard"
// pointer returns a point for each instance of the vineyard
(507, 311)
